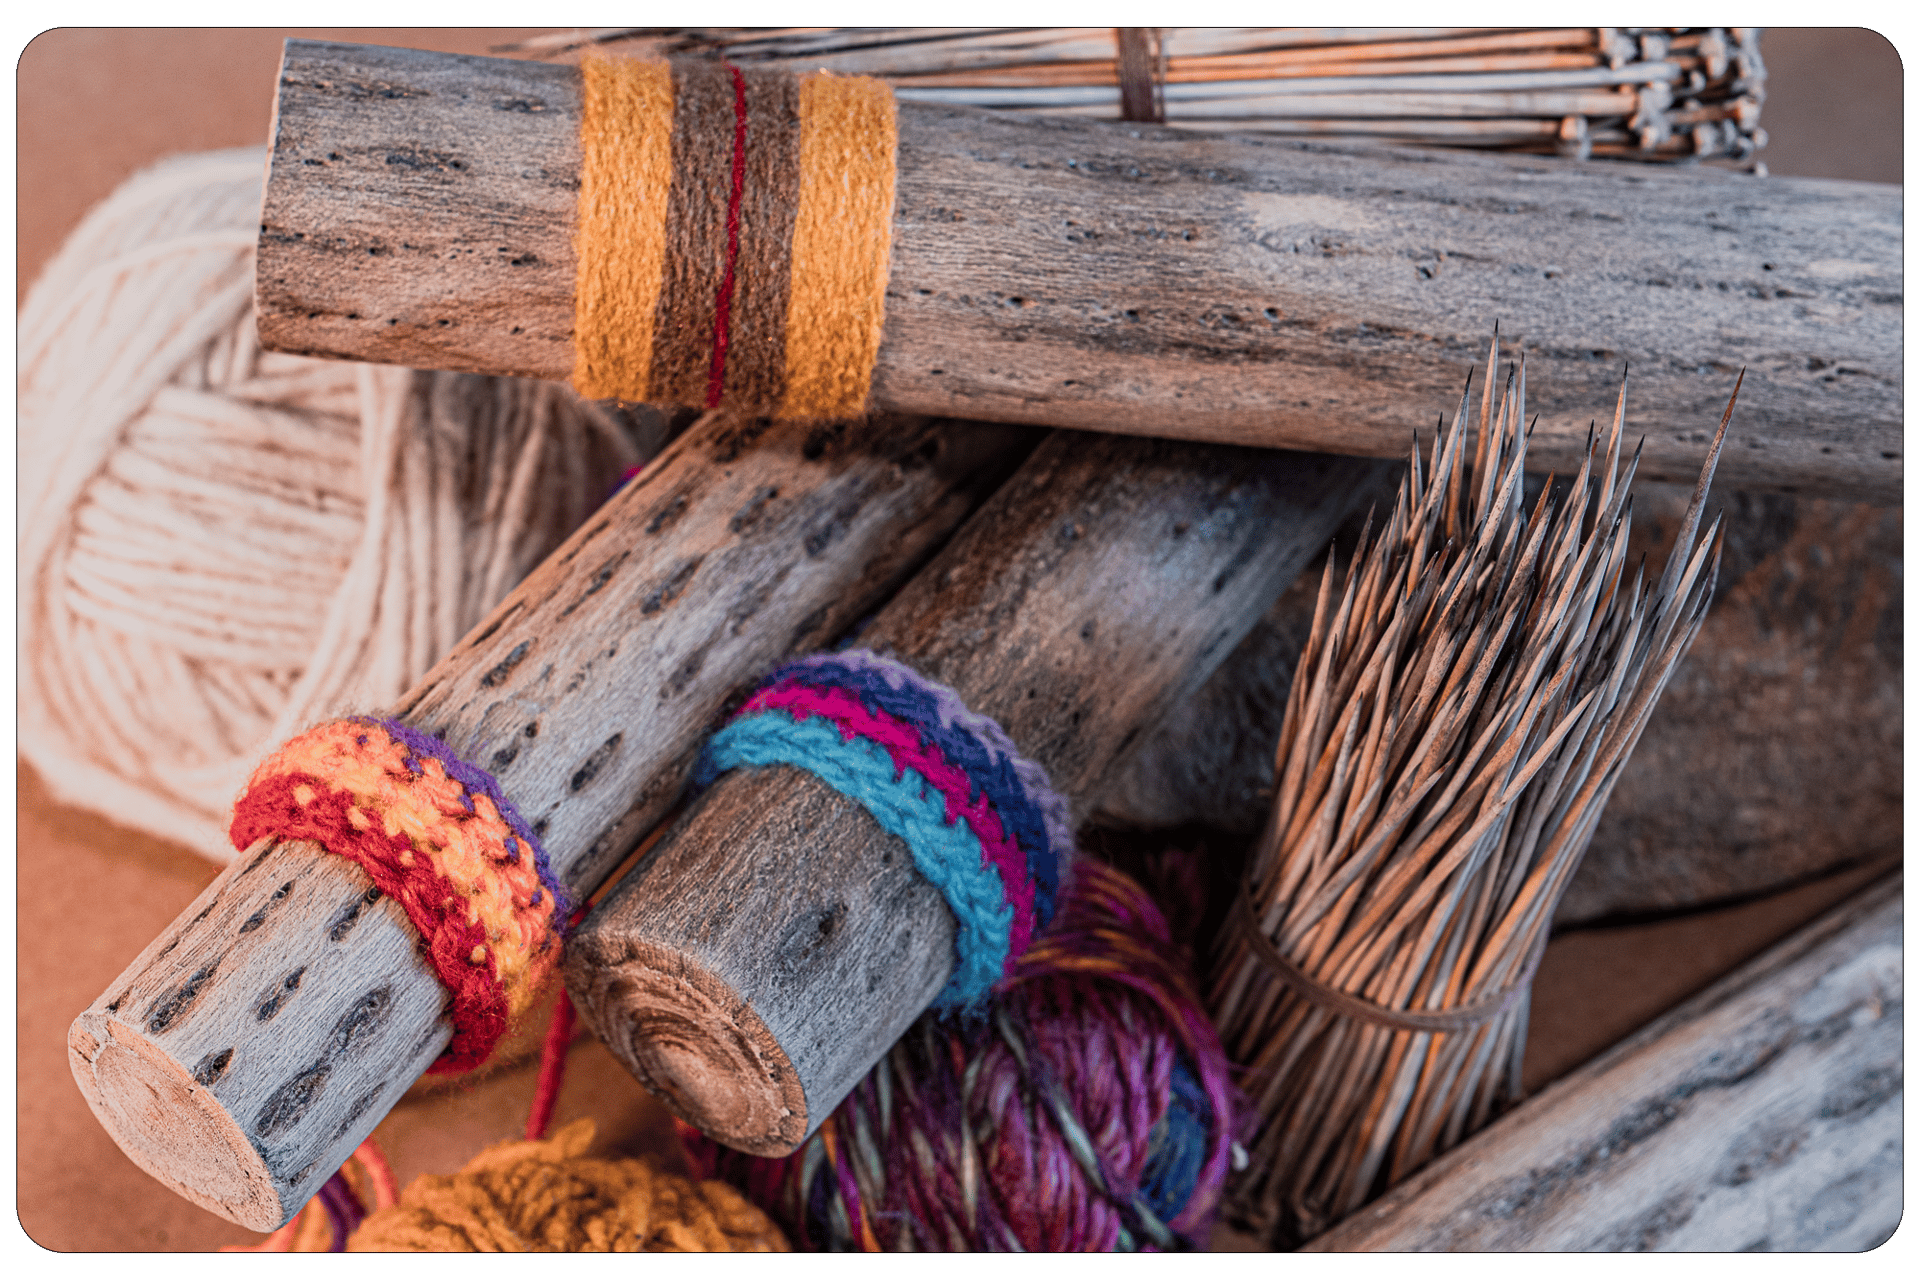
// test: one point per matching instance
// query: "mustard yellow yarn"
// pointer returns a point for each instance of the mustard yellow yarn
(842, 243)
(549, 1196)
(692, 286)
(626, 124)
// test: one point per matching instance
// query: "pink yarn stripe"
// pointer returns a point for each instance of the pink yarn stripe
(903, 744)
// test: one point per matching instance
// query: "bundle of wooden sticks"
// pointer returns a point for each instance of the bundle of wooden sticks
(1648, 93)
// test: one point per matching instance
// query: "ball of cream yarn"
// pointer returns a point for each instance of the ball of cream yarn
(220, 545)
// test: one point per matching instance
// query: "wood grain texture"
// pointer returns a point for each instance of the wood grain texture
(250, 1048)
(1764, 1114)
(1139, 279)
(243, 1055)
(588, 692)
(434, 220)
(1102, 583)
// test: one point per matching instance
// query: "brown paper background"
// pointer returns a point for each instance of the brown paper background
(95, 105)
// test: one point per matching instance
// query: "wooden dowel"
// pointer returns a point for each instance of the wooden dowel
(1101, 585)
(1255, 110)
(1541, 104)
(1464, 131)
(910, 50)
(1137, 279)
(246, 1052)
(1761, 1114)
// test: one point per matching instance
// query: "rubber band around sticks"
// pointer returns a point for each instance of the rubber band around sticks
(983, 823)
(735, 231)
(1345, 1004)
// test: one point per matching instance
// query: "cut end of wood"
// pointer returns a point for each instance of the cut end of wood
(242, 1056)
(694, 1043)
(169, 1124)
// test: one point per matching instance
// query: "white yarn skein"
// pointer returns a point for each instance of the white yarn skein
(219, 545)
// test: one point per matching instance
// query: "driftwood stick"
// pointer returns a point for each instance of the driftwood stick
(419, 210)
(246, 1052)
(1102, 583)
(1762, 1114)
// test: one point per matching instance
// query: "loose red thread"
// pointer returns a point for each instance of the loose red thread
(723, 306)
(553, 1059)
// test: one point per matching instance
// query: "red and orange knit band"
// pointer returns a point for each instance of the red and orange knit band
(435, 834)
(734, 233)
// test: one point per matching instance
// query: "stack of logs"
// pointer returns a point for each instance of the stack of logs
(1079, 588)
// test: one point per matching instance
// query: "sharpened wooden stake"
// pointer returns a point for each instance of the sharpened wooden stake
(1063, 272)
(776, 942)
(246, 1052)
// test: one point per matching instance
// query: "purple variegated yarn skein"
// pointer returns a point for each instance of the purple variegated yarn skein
(1089, 1110)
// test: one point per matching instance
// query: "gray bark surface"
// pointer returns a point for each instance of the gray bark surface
(1098, 587)
(1139, 279)
(244, 1054)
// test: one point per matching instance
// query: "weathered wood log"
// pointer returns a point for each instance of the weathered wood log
(774, 944)
(1762, 1115)
(1774, 758)
(246, 1052)
(419, 210)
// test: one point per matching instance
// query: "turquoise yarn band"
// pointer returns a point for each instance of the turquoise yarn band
(904, 805)
(981, 822)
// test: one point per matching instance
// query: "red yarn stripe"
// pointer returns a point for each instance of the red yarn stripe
(723, 305)
(909, 749)
(553, 1068)
(434, 905)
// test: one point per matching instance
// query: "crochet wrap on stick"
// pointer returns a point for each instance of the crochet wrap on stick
(435, 834)
(221, 545)
(586, 694)
(982, 822)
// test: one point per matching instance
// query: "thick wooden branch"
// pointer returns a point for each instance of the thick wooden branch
(246, 1052)
(1763, 1114)
(773, 945)
(419, 210)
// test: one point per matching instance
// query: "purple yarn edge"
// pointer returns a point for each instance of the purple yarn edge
(1017, 892)
(343, 1214)
(1056, 814)
(478, 779)
(953, 711)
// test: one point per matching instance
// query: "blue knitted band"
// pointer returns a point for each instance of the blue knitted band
(904, 805)
(982, 822)
(966, 739)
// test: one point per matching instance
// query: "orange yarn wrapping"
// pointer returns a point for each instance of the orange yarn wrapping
(734, 236)
(626, 113)
(842, 237)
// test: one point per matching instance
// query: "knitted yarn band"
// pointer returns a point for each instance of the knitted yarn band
(982, 821)
(437, 836)
(734, 232)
